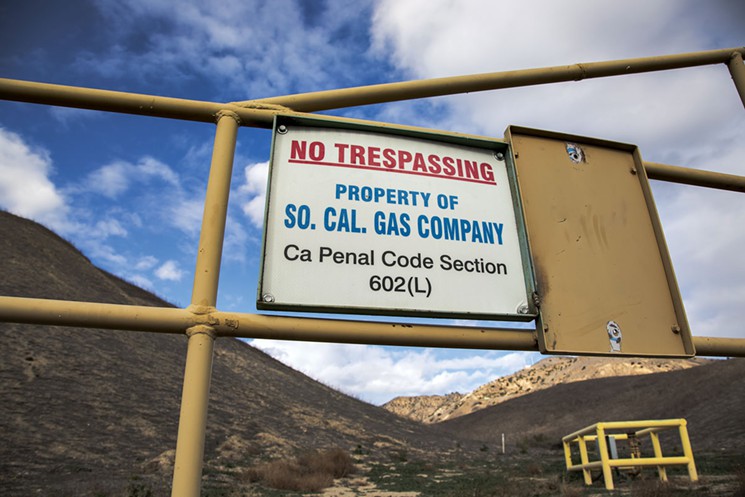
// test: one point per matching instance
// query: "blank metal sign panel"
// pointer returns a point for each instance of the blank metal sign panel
(604, 278)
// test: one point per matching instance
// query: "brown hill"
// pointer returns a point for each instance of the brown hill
(544, 374)
(710, 397)
(82, 412)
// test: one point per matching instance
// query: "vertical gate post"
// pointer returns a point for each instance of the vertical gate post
(187, 471)
(737, 70)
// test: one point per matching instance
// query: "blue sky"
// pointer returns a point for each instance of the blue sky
(128, 190)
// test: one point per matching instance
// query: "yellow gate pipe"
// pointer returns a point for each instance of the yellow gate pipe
(260, 112)
(371, 332)
(393, 92)
(737, 71)
(128, 103)
(719, 347)
(242, 325)
(94, 315)
(187, 466)
(696, 177)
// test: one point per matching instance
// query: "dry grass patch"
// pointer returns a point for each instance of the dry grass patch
(310, 472)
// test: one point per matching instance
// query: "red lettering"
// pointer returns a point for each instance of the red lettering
(373, 156)
(403, 158)
(447, 166)
(419, 163)
(297, 150)
(486, 171)
(434, 164)
(317, 151)
(389, 158)
(357, 155)
(342, 148)
(471, 169)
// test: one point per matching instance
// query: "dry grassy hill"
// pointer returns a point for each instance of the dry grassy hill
(89, 412)
(85, 411)
(710, 397)
(542, 375)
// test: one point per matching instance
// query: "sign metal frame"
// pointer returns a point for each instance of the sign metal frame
(527, 312)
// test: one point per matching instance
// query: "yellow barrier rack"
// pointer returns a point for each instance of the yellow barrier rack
(605, 435)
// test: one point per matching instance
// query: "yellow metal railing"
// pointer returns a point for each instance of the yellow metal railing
(604, 436)
(202, 322)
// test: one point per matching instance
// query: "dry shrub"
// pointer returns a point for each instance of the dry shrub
(740, 484)
(533, 468)
(310, 472)
(336, 462)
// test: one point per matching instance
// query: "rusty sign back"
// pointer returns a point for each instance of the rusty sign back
(604, 277)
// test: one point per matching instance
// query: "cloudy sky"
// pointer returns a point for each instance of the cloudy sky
(128, 190)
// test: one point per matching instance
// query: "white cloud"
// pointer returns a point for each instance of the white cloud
(690, 117)
(185, 213)
(68, 116)
(170, 271)
(110, 180)
(377, 374)
(245, 50)
(102, 252)
(145, 263)
(704, 235)
(25, 187)
(114, 179)
(106, 228)
(245, 45)
(140, 281)
(236, 247)
(252, 193)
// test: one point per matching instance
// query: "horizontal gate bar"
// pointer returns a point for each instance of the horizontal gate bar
(260, 112)
(243, 325)
(696, 177)
(393, 92)
(95, 315)
(128, 103)
(372, 332)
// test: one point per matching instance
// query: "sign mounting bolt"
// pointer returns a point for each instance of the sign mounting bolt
(268, 298)
(523, 309)
(499, 156)
(282, 129)
(676, 329)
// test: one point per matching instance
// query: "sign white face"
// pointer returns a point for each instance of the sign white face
(363, 222)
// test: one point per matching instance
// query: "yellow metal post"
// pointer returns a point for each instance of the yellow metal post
(636, 461)
(187, 471)
(567, 453)
(737, 70)
(687, 450)
(661, 470)
(586, 473)
(603, 449)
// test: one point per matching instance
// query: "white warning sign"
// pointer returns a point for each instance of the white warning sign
(361, 221)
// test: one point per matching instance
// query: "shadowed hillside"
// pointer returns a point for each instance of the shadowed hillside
(711, 397)
(95, 413)
(79, 406)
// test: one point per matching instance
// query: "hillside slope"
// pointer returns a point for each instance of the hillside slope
(710, 397)
(544, 374)
(79, 406)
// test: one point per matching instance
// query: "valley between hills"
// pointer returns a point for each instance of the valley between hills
(95, 412)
